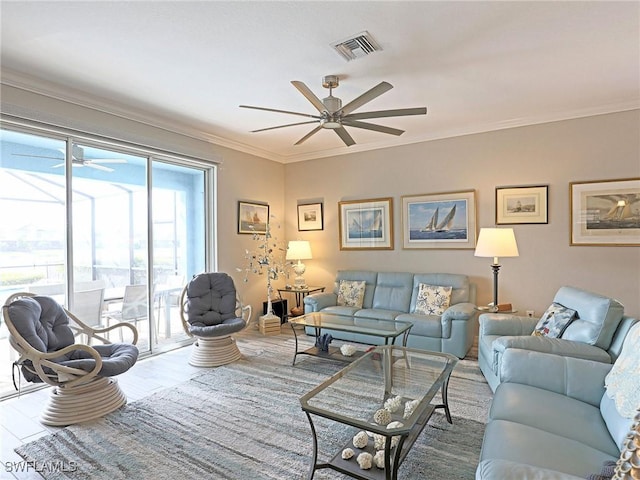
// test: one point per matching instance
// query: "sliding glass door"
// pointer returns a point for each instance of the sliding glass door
(179, 214)
(110, 232)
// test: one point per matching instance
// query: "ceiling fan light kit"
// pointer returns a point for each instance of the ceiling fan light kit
(333, 116)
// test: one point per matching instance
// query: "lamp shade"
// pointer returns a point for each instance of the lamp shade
(496, 242)
(298, 250)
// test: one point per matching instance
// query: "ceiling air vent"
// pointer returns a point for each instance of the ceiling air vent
(356, 46)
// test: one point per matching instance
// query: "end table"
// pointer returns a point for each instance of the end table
(300, 293)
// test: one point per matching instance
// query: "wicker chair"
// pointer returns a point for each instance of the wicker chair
(43, 333)
(211, 313)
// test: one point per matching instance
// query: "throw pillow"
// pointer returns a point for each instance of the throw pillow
(554, 321)
(622, 383)
(432, 299)
(351, 293)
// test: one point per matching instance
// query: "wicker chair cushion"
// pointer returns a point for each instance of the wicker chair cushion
(211, 305)
(44, 324)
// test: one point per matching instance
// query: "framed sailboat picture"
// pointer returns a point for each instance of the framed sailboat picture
(366, 224)
(605, 213)
(439, 220)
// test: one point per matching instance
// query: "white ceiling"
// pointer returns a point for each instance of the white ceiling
(476, 66)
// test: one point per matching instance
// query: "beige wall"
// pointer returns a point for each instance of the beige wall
(554, 154)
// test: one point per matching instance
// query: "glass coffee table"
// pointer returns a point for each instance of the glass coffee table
(385, 377)
(389, 330)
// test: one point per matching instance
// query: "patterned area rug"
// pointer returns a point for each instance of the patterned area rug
(241, 421)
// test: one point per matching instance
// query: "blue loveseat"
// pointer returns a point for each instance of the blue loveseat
(392, 296)
(560, 418)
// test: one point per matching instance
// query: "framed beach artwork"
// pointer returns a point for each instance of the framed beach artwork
(439, 220)
(605, 213)
(366, 224)
(252, 217)
(522, 205)
(310, 217)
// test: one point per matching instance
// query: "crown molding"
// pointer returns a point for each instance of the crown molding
(94, 102)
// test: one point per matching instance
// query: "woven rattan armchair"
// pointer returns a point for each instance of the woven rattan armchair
(44, 333)
(211, 313)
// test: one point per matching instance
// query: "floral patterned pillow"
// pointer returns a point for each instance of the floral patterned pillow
(623, 380)
(351, 293)
(432, 299)
(554, 321)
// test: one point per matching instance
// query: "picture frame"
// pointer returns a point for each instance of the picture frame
(605, 212)
(252, 217)
(310, 217)
(366, 224)
(439, 220)
(522, 205)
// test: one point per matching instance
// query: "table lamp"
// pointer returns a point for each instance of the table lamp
(496, 242)
(299, 250)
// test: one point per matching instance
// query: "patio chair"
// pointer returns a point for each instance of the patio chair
(134, 307)
(43, 333)
(211, 312)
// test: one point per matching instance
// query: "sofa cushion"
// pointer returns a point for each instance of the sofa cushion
(554, 413)
(554, 321)
(432, 299)
(393, 291)
(597, 319)
(377, 313)
(351, 293)
(340, 310)
(520, 443)
(423, 325)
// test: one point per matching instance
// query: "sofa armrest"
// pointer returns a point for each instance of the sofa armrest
(317, 301)
(506, 324)
(460, 312)
(573, 377)
(498, 469)
(557, 346)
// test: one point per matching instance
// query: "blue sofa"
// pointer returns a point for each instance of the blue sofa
(560, 418)
(596, 334)
(392, 296)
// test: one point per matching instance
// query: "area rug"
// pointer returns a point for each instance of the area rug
(238, 422)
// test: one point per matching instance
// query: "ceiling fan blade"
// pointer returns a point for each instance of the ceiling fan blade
(34, 156)
(371, 126)
(366, 97)
(106, 160)
(400, 112)
(282, 126)
(279, 111)
(344, 135)
(306, 137)
(96, 166)
(309, 95)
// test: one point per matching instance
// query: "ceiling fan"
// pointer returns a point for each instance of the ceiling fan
(333, 116)
(78, 160)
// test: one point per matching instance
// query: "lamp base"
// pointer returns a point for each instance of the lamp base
(299, 282)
